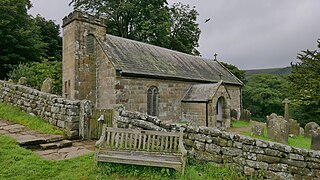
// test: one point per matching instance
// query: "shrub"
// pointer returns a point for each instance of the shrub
(37, 72)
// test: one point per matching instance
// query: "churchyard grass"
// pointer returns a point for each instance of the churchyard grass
(15, 115)
(240, 123)
(299, 141)
(21, 163)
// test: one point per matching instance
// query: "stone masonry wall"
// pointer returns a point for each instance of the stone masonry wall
(249, 155)
(54, 109)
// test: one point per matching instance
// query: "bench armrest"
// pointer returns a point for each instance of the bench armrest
(102, 137)
(181, 146)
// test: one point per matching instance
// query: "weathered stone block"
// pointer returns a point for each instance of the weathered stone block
(296, 157)
(199, 145)
(278, 167)
(268, 159)
(212, 148)
(300, 171)
(293, 162)
(61, 124)
(257, 165)
(229, 151)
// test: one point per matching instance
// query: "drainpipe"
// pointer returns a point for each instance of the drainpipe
(207, 119)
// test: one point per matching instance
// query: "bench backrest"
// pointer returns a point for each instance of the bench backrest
(142, 140)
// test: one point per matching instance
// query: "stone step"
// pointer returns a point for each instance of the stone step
(54, 145)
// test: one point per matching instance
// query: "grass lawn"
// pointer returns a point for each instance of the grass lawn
(21, 163)
(14, 114)
(299, 142)
(240, 124)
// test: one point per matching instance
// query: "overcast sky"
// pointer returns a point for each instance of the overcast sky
(251, 34)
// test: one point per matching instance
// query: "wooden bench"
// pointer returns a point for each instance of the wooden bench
(141, 147)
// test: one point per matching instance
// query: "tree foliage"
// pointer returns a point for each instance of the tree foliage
(263, 95)
(240, 74)
(184, 35)
(37, 72)
(305, 85)
(20, 40)
(50, 34)
(152, 22)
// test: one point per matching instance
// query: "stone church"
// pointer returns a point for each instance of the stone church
(171, 85)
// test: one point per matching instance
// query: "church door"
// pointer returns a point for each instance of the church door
(219, 111)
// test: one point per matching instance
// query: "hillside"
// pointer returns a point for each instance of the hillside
(273, 71)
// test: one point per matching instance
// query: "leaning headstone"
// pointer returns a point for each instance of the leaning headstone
(271, 116)
(315, 140)
(301, 131)
(310, 129)
(234, 114)
(278, 130)
(257, 130)
(47, 85)
(22, 81)
(294, 127)
(245, 115)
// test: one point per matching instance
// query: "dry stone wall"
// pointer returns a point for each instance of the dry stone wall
(249, 155)
(60, 112)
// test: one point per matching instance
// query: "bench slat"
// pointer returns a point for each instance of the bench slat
(121, 141)
(134, 131)
(166, 146)
(108, 138)
(139, 145)
(126, 142)
(144, 142)
(175, 144)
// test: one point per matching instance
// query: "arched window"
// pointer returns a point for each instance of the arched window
(153, 101)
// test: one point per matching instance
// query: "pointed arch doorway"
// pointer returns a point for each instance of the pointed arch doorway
(219, 111)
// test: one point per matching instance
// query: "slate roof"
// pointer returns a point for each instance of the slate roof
(201, 92)
(136, 58)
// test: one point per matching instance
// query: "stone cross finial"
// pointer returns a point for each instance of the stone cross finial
(215, 56)
(286, 108)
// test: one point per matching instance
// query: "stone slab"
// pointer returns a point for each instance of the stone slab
(25, 140)
(78, 153)
(13, 126)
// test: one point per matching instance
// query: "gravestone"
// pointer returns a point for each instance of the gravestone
(22, 81)
(294, 127)
(278, 130)
(301, 131)
(257, 130)
(310, 129)
(47, 85)
(245, 115)
(234, 114)
(10, 81)
(315, 140)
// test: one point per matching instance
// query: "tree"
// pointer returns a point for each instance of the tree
(263, 95)
(305, 86)
(240, 74)
(20, 40)
(185, 32)
(50, 35)
(151, 22)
